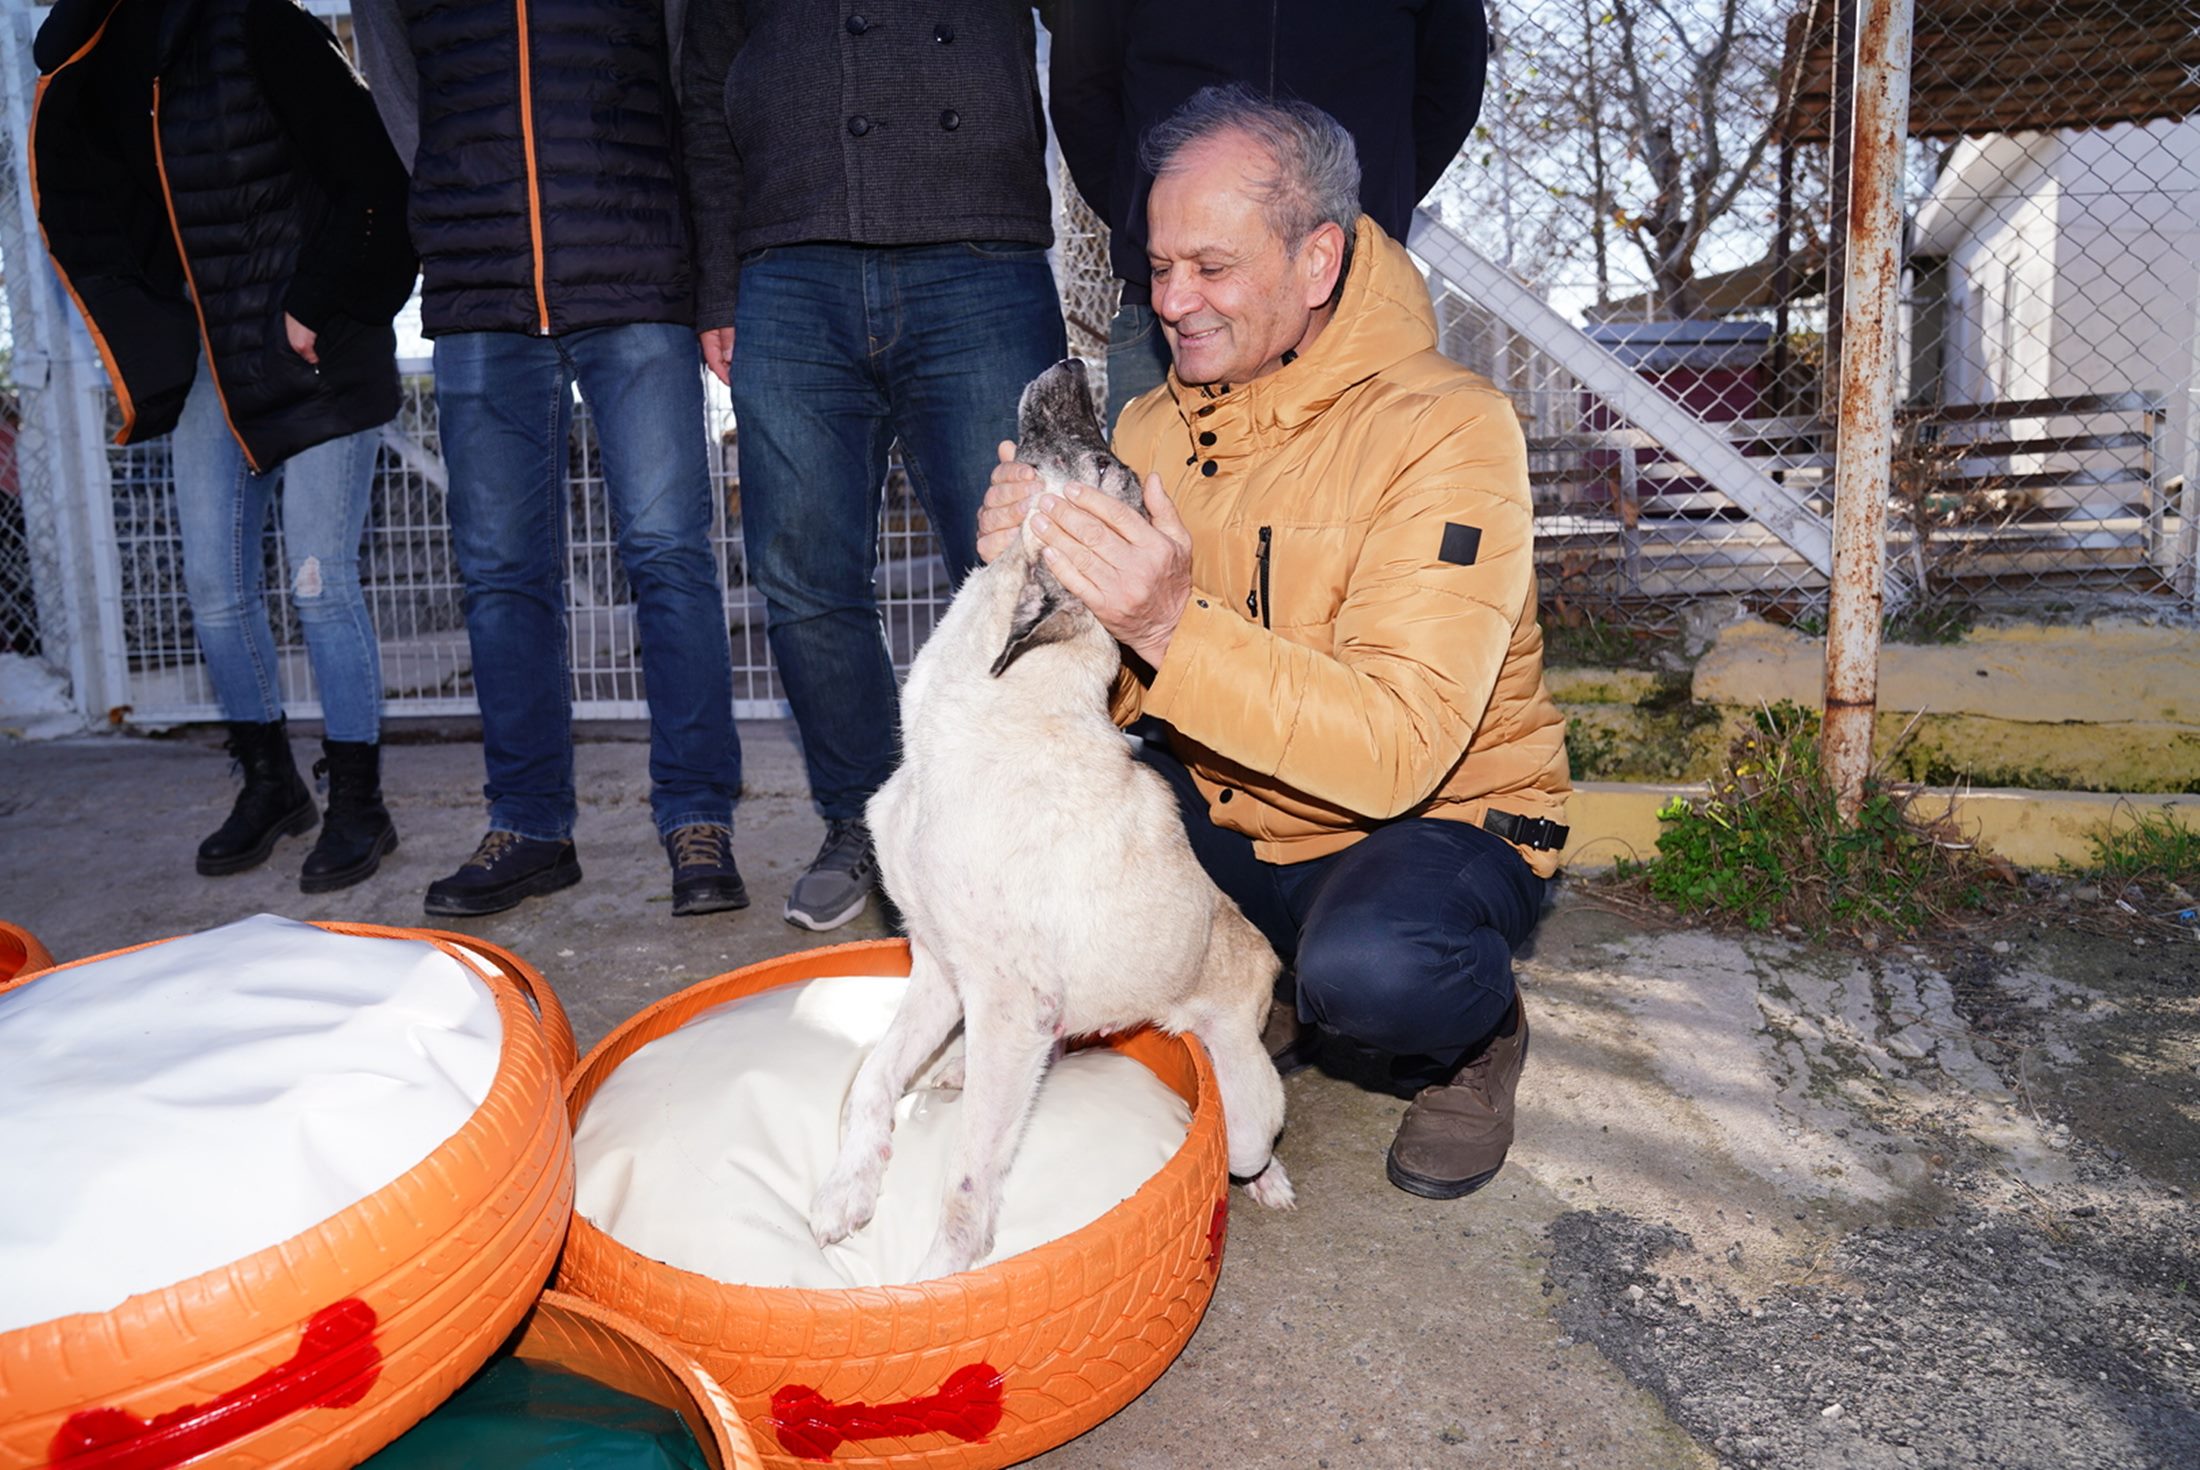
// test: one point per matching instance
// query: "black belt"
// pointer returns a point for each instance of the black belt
(1540, 833)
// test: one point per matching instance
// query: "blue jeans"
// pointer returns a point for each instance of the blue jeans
(1138, 356)
(504, 401)
(1403, 941)
(838, 351)
(221, 512)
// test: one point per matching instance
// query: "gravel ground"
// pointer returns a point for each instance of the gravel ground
(2029, 1297)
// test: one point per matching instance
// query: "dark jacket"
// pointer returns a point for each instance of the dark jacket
(1403, 76)
(542, 136)
(868, 122)
(201, 168)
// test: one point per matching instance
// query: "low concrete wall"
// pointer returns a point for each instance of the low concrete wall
(2112, 707)
(2107, 707)
(2033, 829)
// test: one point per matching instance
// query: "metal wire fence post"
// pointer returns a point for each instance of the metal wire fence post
(1864, 432)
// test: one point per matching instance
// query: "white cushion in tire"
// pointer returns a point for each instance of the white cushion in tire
(703, 1150)
(170, 1110)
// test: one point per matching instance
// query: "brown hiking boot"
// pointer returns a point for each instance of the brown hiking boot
(1290, 1043)
(1452, 1141)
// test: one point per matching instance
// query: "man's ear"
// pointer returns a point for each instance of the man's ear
(1320, 260)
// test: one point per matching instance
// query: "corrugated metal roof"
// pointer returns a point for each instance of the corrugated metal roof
(2001, 66)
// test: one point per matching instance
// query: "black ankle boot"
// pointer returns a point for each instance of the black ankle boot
(274, 802)
(359, 830)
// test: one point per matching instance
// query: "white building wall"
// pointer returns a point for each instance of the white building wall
(2074, 265)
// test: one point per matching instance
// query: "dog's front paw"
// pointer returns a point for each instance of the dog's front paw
(943, 1260)
(1271, 1188)
(843, 1205)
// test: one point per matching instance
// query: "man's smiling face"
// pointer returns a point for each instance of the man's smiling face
(1231, 296)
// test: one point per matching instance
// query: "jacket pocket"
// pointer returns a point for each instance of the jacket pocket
(1295, 582)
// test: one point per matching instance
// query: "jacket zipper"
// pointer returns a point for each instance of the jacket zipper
(30, 151)
(534, 184)
(191, 282)
(1256, 601)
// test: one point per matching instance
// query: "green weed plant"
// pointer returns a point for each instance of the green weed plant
(1766, 847)
(2154, 850)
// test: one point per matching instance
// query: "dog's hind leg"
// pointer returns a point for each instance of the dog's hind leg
(1226, 1016)
(928, 1012)
(1006, 1048)
(1252, 1108)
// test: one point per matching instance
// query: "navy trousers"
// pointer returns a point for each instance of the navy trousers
(1402, 942)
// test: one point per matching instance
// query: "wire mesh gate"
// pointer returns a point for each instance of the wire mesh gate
(1652, 176)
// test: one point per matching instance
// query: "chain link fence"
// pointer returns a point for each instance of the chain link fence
(1641, 245)
(1668, 175)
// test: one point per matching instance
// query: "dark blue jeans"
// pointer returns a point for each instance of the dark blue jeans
(504, 402)
(838, 351)
(1403, 941)
(1138, 356)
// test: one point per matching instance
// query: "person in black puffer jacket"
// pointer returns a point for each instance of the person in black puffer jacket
(1403, 76)
(546, 202)
(220, 199)
(872, 217)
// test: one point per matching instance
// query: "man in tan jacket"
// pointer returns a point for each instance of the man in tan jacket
(1332, 611)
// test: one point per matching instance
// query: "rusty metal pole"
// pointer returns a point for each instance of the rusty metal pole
(1864, 424)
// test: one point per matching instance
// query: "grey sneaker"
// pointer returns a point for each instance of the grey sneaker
(839, 880)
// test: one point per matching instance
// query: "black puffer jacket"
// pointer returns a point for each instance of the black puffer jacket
(545, 184)
(1403, 76)
(237, 204)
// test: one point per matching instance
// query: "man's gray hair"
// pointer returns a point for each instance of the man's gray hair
(1317, 177)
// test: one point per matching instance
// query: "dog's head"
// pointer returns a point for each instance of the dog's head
(1059, 435)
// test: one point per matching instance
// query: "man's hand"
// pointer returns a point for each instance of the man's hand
(718, 352)
(1001, 517)
(1135, 575)
(302, 338)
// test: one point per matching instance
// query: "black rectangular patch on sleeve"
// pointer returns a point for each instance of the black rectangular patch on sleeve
(1461, 544)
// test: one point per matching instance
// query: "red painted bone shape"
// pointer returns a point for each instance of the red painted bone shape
(335, 1366)
(968, 1406)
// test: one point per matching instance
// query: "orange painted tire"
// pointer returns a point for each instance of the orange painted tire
(620, 1352)
(966, 1373)
(20, 954)
(321, 1349)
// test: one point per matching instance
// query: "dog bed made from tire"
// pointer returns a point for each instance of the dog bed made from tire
(324, 1347)
(20, 953)
(968, 1372)
(618, 1351)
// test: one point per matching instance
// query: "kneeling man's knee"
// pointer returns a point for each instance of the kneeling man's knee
(1400, 994)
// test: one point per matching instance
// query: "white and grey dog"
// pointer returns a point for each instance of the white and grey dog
(1045, 877)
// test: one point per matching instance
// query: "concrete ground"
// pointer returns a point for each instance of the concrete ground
(1771, 1205)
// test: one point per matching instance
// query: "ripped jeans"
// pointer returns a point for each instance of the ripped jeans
(221, 513)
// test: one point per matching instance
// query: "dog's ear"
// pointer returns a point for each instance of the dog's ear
(1042, 615)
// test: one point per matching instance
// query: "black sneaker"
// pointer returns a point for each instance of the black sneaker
(704, 879)
(839, 880)
(505, 869)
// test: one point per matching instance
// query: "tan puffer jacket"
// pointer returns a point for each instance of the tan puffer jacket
(1361, 643)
